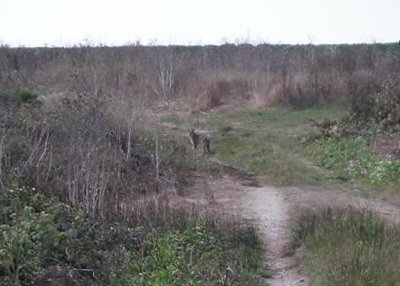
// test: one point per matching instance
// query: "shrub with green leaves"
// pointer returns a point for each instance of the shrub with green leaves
(17, 97)
(38, 232)
(26, 95)
(352, 158)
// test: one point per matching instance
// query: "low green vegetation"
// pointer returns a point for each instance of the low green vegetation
(196, 252)
(42, 238)
(26, 95)
(267, 143)
(347, 247)
(351, 158)
(38, 233)
(264, 142)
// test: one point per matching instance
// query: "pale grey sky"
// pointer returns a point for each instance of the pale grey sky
(117, 22)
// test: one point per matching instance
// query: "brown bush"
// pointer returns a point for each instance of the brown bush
(375, 98)
(216, 92)
(225, 91)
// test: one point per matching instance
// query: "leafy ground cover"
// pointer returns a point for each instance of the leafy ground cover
(42, 238)
(351, 158)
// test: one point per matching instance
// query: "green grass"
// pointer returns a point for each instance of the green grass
(263, 156)
(264, 142)
(285, 117)
(348, 248)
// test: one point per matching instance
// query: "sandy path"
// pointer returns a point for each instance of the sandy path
(270, 212)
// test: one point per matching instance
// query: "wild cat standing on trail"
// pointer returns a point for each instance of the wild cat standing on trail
(203, 139)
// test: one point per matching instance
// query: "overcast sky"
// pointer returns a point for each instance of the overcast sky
(117, 22)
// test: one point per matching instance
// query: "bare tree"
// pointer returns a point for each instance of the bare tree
(164, 86)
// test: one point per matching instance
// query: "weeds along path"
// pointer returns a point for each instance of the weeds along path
(271, 209)
(265, 207)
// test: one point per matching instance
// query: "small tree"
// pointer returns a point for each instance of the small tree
(164, 86)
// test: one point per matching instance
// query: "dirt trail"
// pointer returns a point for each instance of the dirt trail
(270, 211)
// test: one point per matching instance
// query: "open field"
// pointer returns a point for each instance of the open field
(301, 186)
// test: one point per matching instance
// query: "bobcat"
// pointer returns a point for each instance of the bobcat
(197, 138)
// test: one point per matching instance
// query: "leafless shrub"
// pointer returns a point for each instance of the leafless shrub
(281, 74)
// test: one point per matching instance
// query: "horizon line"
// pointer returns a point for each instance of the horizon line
(88, 44)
